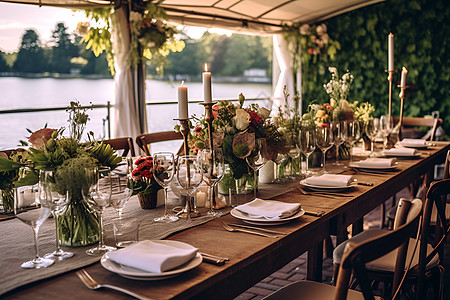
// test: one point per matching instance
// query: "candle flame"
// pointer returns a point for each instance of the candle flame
(404, 70)
(390, 34)
(206, 67)
(182, 83)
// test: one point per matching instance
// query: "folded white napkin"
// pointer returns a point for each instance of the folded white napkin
(330, 180)
(401, 152)
(376, 163)
(418, 142)
(270, 210)
(152, 257)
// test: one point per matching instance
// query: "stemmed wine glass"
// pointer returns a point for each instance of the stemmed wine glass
(58, 200)
(371, 129)
(307, 141)
(33, 214)
(386, 126)
(122, 187)
(97, 193)
(324, 141)
(294, 152)
(281, 158)
(189, 176)
(163, 171)
(339, 136)
(213, 169)
(353, 135)
(256, 160)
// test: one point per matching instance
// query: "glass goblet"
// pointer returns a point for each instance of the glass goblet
(307, 142)
(386, 126)
(121, 186)
(294, 153)
(97, 193)
(58, 200)
(339, 137)
(256, 160)
(279, 160)
(324, 142)
(189, 176)
(371, 129)
(213, 167)
(163, 171)
(28, 210)
(353, 135)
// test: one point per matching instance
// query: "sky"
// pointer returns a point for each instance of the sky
(16, 18)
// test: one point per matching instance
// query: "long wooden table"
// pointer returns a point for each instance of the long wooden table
(252, 258)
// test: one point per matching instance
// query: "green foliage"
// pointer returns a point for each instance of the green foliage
(4, 67)
(422, 45)
(63, 50)
(30, 58)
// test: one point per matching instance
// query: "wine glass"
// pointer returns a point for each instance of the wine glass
(213, 170)
(324, 141)
(339, 136)
(163, 171)
(281, 158)
(294, 152)
(353, 134)
(97, 193)
(386, 126)
(58, 199)
(256, 159)
(371, 129)
(31, 211)
(121, 186)
(189, 176)
(307, 142)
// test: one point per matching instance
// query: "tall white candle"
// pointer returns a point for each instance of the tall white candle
(182, 102)
(404, 73)
(391, 52)
(207, 94)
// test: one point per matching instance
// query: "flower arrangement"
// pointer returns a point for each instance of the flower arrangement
(145, 185)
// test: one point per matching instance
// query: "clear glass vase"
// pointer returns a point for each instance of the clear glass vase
(243, 185)
(7, 201)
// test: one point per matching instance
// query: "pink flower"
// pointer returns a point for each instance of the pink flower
(40, 137)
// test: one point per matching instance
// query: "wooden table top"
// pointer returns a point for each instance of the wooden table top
(252, 258)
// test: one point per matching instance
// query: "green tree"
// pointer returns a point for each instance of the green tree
(30, 58)
(3, 65)
(63, 50)
(187, 62)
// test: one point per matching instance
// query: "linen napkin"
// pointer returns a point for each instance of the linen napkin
(376, 163)
(415, 142)
(270, 210)
(152, 257)
(401, 152)
(330, 180)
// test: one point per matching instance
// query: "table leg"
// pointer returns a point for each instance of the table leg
(358, 227)
(314, 264)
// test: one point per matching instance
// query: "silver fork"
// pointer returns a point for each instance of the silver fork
(92, 284)
(231, 229)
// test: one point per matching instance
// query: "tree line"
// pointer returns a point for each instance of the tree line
(66, 53)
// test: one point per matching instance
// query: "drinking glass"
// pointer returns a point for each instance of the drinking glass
(324, 141)
(97, 193)
(189, 176)
(31, 211)
(371, 129)
(57, 200)
(163, 171)
(339, 136)
(386, 126)
(121, 186)
(294, 152)
(353, 135)
(256, 160)
(281, 158)
(307, 142)
(213, 169)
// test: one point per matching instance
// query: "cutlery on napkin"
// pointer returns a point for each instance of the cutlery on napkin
(270, 210)
(152, 257)
(330, 180)
(375, 162)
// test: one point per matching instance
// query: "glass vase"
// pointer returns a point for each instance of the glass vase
(243, 185)
(7, 201)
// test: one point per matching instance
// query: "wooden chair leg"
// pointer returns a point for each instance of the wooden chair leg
(329, 247)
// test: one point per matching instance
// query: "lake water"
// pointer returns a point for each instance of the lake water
(50, 92)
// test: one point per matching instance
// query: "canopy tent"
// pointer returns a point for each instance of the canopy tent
(244, 16)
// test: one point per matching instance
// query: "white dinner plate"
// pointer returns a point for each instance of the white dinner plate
(133, 273)
(383, 154)
(327, 187)
(412, 145)
(381, 168)
(262, 221)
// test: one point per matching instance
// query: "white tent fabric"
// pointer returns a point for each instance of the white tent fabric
(125, 116)
(282, 60)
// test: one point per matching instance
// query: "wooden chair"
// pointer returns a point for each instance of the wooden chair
(428, 259)
(408, 124)
(125, 144)
(144, 140)
(355, 258)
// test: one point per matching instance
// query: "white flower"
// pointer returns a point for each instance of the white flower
(321, 29)
(242, 119)
(83, 28)
(332, 70)
(325, 38)
(135, 16)
(305, 29)
(263, 112)
(344, 88)
(346, 76)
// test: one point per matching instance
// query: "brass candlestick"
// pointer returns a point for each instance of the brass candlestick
(400, 120)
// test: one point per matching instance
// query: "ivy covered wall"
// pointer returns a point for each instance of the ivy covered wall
(422, 44)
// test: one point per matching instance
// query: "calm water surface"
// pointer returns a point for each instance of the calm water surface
(49, 92)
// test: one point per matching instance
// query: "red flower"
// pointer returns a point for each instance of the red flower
(215, 110)
(198, 130)
(311, 51)
(255, 119)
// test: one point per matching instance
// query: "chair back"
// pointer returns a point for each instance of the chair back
(432, 123)
(447, 166)
(144, 140)
(434, 235)
(357, 255)
(125, 144)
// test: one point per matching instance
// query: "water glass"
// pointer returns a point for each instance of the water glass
(386, 126)
(163, 172)
(339, 137)
(371, 128)
(324, 142)
(189, 177)
(121, 186)
(126, 233)
(256, 160)
(353, 134)
(307, 142)
(213, 167)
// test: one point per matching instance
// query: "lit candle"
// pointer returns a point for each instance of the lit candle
(182, 101)
(207, 95)
(391, 52)
(403, 82)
